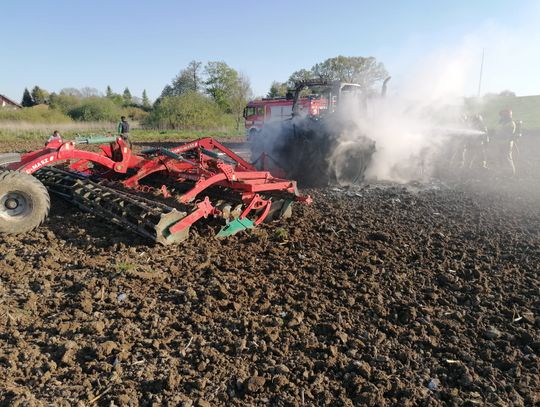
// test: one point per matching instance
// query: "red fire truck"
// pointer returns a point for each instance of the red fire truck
(260, 112)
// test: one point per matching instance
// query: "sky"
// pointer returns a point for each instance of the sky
(143, 45)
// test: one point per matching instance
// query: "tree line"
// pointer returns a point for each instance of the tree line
(365, 71)
(88, 104)
(201, 96)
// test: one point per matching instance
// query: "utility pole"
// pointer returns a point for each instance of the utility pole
(481, 72)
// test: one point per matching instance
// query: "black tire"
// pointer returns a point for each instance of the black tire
(24, 202)
(350, 161)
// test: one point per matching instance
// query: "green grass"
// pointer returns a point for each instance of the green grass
(35, 115)
(174, 135)
(33, 132)
(525, 108)
(11, 131)
(123, 267)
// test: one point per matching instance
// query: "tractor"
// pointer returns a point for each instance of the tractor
(322, 149)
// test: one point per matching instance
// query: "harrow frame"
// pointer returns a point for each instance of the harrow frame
(196, 168)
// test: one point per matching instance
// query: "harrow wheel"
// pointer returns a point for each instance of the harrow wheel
(163, 235)
(24, 202)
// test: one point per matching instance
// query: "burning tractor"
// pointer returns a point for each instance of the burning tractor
(323, 148)
(158, 194)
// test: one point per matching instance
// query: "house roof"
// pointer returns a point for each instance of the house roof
(9, 100)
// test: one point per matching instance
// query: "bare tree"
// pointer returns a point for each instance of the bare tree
(87, 92)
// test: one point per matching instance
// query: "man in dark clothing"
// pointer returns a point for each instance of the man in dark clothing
(476, 147)
(507, 135)
(123, 127)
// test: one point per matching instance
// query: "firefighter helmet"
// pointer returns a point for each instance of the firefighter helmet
(506, 113)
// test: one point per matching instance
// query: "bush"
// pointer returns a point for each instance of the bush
(37, 114)
(135, 113)
(190, 111)
(64, 102)
(95, 109)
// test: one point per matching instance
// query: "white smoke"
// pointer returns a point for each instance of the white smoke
(419, 121)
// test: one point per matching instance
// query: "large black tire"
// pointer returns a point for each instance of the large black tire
(350, 160)
(24, 202)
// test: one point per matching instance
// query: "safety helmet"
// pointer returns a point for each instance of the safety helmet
(505, 113)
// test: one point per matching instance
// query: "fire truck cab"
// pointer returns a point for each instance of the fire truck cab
(263, 111)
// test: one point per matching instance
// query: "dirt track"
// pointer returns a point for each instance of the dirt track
(381, 295)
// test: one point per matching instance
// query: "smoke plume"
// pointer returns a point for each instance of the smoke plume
(419, 122)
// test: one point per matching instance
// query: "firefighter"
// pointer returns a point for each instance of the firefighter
(507, 135)
(476, 147)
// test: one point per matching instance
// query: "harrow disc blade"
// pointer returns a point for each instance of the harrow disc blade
(280, 209)
(163, 234)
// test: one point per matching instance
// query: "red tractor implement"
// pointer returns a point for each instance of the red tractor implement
(158, 193)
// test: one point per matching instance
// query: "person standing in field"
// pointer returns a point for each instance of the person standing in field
(54, 137)
(507, 134)
(123, 127)
(476, 146)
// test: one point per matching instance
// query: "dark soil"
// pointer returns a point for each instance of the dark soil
(382, 295)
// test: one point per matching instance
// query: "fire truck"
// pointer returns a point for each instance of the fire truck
(263, 111)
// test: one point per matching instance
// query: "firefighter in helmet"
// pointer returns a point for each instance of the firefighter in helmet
(478, 145)
(508, 136)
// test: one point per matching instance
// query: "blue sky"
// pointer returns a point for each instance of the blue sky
(59, 43)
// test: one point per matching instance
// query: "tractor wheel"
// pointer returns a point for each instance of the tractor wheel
(350, 161)
(24, 202)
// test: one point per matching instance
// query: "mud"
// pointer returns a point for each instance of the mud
(381, 295)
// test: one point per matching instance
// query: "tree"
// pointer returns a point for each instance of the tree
(190, 111)
(221, 79)
(300, 75)
(277, 89)
(27, 100)
(88, 92)
(115, 97)
(238, 98)
(95, 109)
(193, 68)
(365, 71)
(183, 83)
(39, 96)
(127, 97)
(188, 80)
(63, 102)
(145, 101)
(167, 91)
(71, 91)
(507, 93)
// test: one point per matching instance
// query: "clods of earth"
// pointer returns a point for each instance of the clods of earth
(377, 295)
